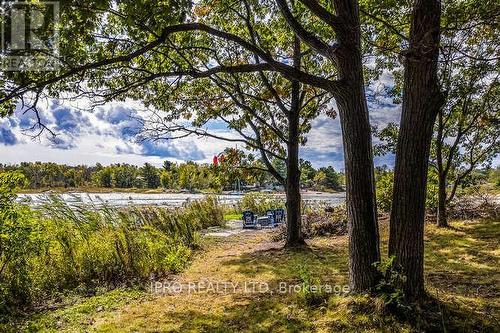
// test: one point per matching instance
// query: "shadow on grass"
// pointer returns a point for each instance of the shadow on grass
(464, 260)
(324, 262)
(461, 271)
(347, 313)
(257, 315)
(438, 315)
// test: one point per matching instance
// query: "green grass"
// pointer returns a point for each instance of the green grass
(228, 217)
(76, 313)
(461, 278)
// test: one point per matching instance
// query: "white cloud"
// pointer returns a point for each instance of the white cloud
(104, 134)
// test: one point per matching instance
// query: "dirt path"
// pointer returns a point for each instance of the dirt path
(230, 286)
(234, 283)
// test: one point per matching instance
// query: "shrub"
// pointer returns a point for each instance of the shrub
(331, 221)
(311, 297)
(59, 247)
(431, 199)
(390, 286)
(20, 235)
(259, 202)
(384, 182)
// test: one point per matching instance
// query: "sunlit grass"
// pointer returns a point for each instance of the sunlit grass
(228, 217)
(461, 271)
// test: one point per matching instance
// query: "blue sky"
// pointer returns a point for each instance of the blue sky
(104, 135)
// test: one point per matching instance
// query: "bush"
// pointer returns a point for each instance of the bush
(431, 199)
(259, 203)
(390, 285)
(384, 182)
(474, 206)
(59, 247)
(320, 222)
(20, 235)
(205, 213)
(330, 222)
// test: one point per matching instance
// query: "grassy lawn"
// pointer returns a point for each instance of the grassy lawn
(461, 271)
(228, 217)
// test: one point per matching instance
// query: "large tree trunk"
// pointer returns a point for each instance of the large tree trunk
(294, 235)
(356, 133)
(293, 218)
(421, 102)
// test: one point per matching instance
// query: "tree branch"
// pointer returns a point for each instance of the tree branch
(308, 38)
(322, 13)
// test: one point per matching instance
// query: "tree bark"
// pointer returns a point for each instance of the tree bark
(422, 100)
(442, 174)
(293, 213)
(356, 134)
(442, 218)
(293, 218)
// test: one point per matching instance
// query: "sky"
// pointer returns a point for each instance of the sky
(104, 134)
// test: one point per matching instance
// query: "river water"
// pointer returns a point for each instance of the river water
(117, 199)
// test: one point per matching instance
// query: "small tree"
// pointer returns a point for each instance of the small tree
(307, 173)
(150, 175)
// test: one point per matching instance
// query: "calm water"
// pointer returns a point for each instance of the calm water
(118, 199)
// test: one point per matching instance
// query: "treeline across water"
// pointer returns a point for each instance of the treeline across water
(174, 176)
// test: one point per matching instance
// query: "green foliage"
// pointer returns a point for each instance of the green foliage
(150, 175)
(104, 178)
(389, 139)
(20, 234)
(307, 173)
(234, 165)
(431, 199)
(204, 213)
(310, 285)
(260, 202)
(188, 175)
(390, 286)
(166, 179)
(384, 181)
(494, 177)
(327, 178)
(61, 247)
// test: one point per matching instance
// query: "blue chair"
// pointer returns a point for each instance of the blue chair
(279, 215)
(271, 218)
(249, 220)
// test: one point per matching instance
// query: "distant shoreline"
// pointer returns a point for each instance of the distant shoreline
(62, 190)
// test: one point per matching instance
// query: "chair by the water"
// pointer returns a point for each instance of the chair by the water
(271, 218)
(279, 215)
(249, 220)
